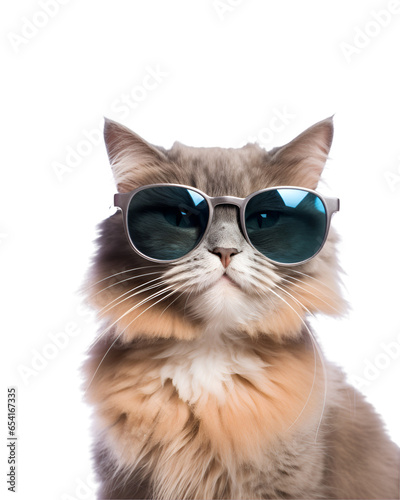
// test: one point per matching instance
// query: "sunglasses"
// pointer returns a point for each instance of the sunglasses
(165, 222)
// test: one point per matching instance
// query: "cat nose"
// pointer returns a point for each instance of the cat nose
(225, 254)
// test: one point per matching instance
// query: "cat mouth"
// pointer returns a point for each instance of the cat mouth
(225, 279)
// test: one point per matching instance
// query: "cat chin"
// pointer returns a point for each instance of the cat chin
(225, 305)
(226, 281)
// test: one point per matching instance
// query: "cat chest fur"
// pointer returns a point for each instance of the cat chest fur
(164, 415)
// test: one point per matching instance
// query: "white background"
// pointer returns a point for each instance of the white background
(225, 70)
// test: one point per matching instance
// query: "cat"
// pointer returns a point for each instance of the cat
(206, 379)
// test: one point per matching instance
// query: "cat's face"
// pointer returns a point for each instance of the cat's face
(224, 285)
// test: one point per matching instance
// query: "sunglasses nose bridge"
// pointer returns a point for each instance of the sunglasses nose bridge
(230, 201)
(226, 200)
(225, 228)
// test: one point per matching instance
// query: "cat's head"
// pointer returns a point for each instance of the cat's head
(224, 285)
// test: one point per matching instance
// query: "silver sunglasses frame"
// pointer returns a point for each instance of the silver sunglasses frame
(122, 201)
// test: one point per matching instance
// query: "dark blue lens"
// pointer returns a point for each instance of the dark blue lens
(287, 225)
(167, 222)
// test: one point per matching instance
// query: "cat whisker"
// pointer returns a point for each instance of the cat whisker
(316, 350)
(256, 288)
(313, 294)
(186, 301)
(117, 274)
(122, 281)
(137, 290)
(308, 284)
(121, 333)
(180, 278)
(308, 276)
(295, 299)
(147, 299)
(170, 304)
(259, 279)
(188, 282)
(151, 305)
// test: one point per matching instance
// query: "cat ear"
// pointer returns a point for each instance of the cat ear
(131, 157)
(301, 161)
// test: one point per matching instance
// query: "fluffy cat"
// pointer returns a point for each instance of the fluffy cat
(206, 380)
